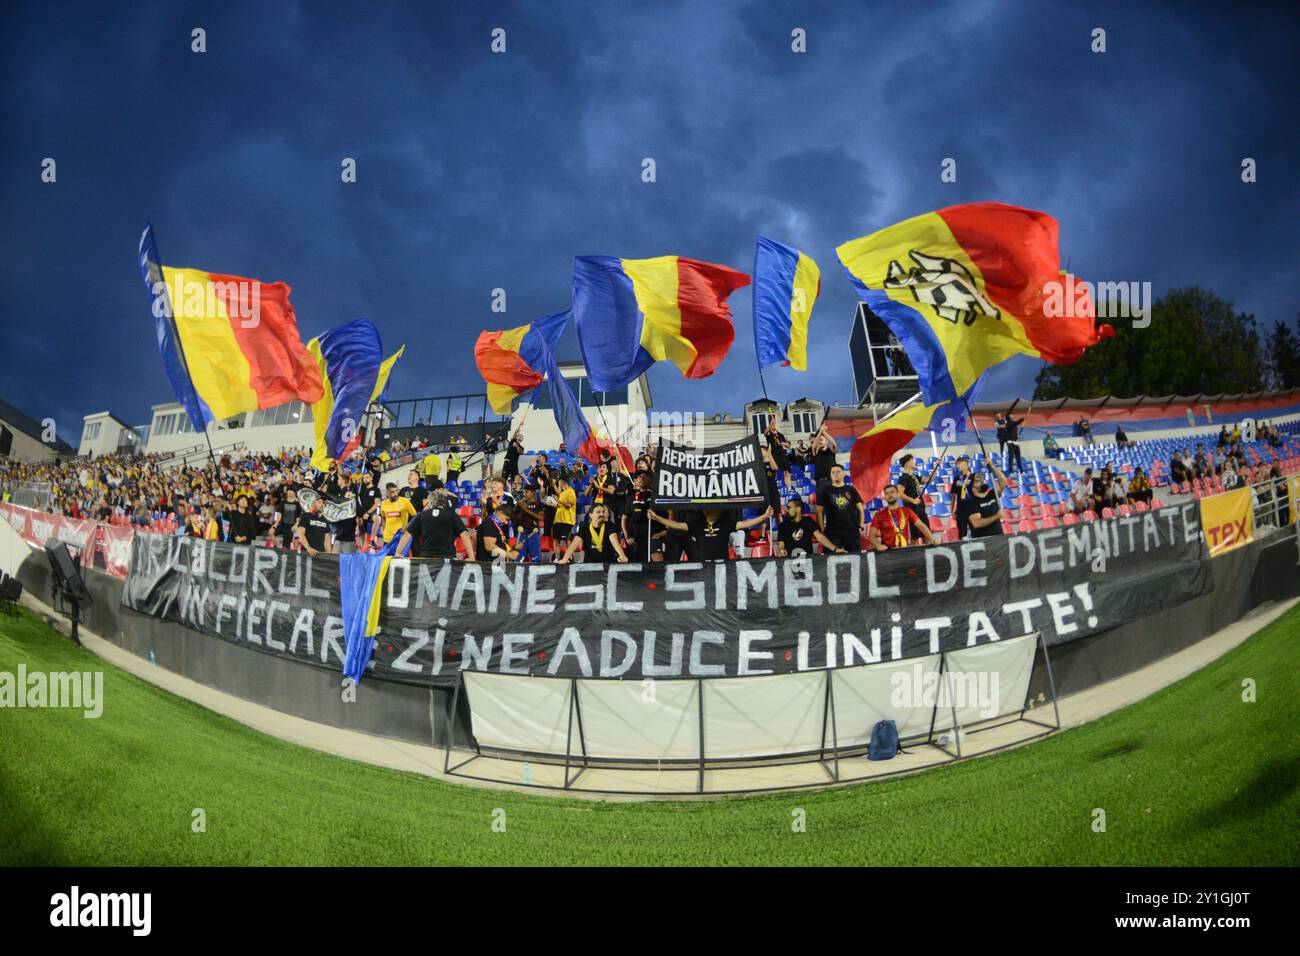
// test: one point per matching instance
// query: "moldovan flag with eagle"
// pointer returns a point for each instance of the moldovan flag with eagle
(631, 313)
(512, 362)
(228, 344)
(963, 289)
(354, 373)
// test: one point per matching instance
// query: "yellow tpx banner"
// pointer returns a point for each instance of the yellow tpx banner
(1293, 484)
(1228, 520)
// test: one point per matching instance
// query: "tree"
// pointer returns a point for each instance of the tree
(1196, 343)
(1282, 355)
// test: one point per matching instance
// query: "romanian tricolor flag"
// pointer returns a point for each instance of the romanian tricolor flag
(511, 361)
(579, 439)
(354, 373)
(786, 284)
(228, 344)
(874, 452)
(631, 313)
(968, 286)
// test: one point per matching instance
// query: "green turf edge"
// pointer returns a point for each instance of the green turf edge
(1190, 776)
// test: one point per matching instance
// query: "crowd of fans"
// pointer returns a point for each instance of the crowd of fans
(527, 510)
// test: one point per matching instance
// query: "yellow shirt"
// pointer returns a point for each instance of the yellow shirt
(432, 465)
(566, 507)
(212, 532)
(396, 514)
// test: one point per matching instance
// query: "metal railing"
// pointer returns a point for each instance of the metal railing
(37, 495)
(1271, 501)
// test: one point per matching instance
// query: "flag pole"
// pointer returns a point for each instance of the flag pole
(975, 428)
(180, 347)
(600, 410)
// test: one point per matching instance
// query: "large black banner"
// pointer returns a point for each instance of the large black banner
(726, 476)
(726, 618)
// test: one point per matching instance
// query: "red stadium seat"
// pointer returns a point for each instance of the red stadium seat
(950, 533)
(1108, 512)
(1051, 521)
(1140, 507)
(762, 549)
(1026, 524)
(1124, 511)
(1070, 518)
(1156, 503)
(937, 523)
(1089, 516)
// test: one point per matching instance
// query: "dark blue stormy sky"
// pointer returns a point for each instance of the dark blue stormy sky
(478, 171)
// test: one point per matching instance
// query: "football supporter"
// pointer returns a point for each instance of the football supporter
(894, 526)
(599, 540)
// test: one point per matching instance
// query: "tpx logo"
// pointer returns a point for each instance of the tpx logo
(1226, 535)
(944, 284)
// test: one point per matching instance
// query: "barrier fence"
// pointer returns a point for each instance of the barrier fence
(37, 495)
(103, 546)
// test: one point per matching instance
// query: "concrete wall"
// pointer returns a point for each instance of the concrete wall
(26, 448)
(106, 441)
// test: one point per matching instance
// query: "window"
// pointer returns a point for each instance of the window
(759, 422)
(805, 422)
(92, 431)
(166, 425)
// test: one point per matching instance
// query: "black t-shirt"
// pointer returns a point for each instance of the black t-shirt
(823, 462)
(712, 537)
(491, 527)
(345, 530)
(840, 507)
(417, 496)
(513, 451)
(797, 534)
(638, 517)
(988, 506)
(911, 486)
(622, 494)
(962, 493)
(776, 442)
(367, 495)
(598, 547)
(435, 532)
(243, 524)
(314, 529)
(289, 513)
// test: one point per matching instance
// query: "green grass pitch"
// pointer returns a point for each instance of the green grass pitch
(1192, 776)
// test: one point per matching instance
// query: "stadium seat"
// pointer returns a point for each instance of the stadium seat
(1026, 524)
(762, 549)
(1070, 518)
